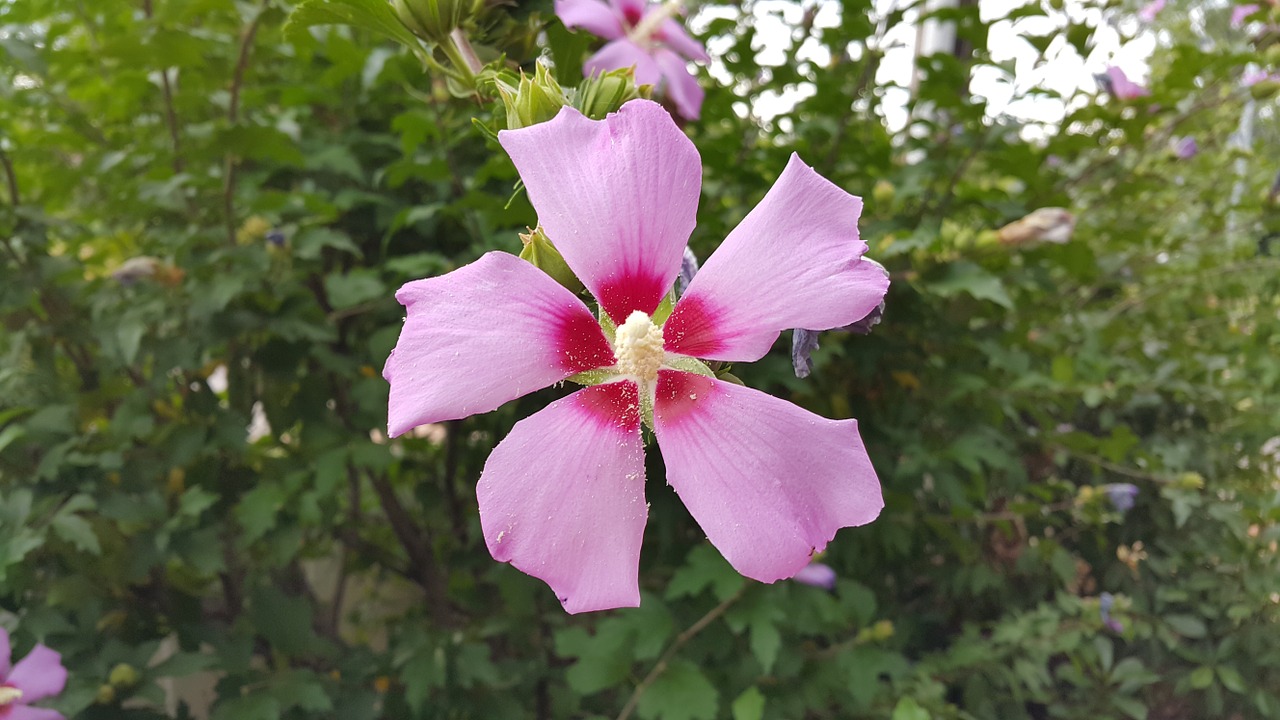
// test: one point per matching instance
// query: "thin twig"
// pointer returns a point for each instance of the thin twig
(11, 178)
(680, 641)
(170, 114)
(422, 561)
(233, 117)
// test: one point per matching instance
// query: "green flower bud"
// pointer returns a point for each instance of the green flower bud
(531, 101)
(105, 695)
(605, 93)
(1264, 89)
(539, 251)
(433, 19)
(123, 676)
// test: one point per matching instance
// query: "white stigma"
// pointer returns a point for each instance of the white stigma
(9, 695)
(638, 347)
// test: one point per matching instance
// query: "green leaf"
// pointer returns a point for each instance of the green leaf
(1186, 625)
(749, 705)
(908, 709)
(966, 277)
(1231, 679)
(1201, 677)
(358, 286)
(766, 641)
(680, 693)
(704, 568)
(374, 15)
(77, 531)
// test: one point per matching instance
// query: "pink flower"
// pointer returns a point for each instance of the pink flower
(1149, 11)
(645, 36)
(37, 676)
(562, 496)
(1240, 14)
(817, 575)
(1122, 87)
(1255, 76)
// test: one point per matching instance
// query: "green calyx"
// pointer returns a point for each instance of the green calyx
(531, 100)
(539, 252)
(433, 20)
(602, 94)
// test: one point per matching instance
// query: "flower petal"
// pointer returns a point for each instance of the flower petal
(5, 652)
(681, 86)
(618, 198)
(594, 16)
(769, 482)
(562, 497)
(484, 334)
(25, 712)
(672, 34)
(632, 11)
(619, 54)
(794, 261)
(39, 675)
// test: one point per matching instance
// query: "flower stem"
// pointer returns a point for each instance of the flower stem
(680, 641)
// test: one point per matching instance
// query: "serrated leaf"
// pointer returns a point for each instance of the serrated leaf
(373, 15)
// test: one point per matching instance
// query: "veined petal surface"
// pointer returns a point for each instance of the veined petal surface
(617, 197)
(769, 482)
(482, 335)
(39, 675)
(562, 497)
(5, 652)
(793, 261)
(594, 16)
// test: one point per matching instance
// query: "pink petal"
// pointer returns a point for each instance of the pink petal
(1149, 11)
(562, 497)
(618, 197)
(794, 261)
(485, 334)
(632, 11)
(681, 86)
(672, 34)
(769, 483)
(1241, 13)
(39, 675)
(5, 652)
(623, 53)
(1123, 87)
(595, 17)
(24, 712)
(817, 575)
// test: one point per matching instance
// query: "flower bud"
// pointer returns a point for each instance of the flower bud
(123, 676)
(539, 251)
(432, 19)
(533, 100)
(602, 94)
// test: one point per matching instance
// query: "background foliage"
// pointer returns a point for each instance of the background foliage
(205, 221)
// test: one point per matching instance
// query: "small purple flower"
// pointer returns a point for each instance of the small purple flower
(37, 676)
(1240, 14)
(645, 36)
(1107, 601)
(817, 575)
(1150, 10)
(1122, 496)
(276, 237)
(1185, 148)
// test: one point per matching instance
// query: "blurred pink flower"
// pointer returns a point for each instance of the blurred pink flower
(817, 575)
(644, 36)
(37, 676)
(562, 496)
(1185, 148)
(1255, 76)
(1240, 14)
(1149, 11)
(1122, 87)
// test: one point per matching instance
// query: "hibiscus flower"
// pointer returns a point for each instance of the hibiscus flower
(562, 496)
(37, 676)
(644, 36)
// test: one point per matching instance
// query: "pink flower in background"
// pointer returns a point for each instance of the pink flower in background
(1185, 148)
(817, 575)
(1149, 11)
(645, 36)
(1122, 87)
(1241, 13)
(562, 496)
(37, 676)
(1255, 76)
